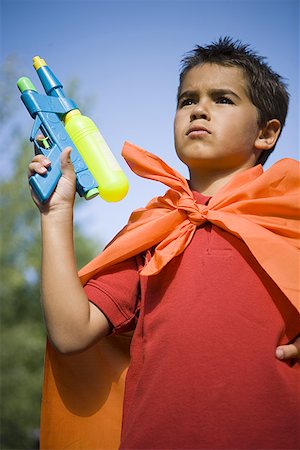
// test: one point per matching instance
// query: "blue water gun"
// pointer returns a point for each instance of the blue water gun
(96, 169)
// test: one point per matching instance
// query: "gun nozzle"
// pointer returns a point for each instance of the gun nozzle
(24, 84)
(38, 62)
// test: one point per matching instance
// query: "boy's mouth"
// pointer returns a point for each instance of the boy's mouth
(197, 131)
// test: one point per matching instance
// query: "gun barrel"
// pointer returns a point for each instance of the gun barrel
(38, 62)
(50, 82)
(25, 84)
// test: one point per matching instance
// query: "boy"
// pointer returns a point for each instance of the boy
(192, 274)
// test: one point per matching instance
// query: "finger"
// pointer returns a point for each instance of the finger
(289, 351)
(39, 164)
(65, 160)
(39, 138)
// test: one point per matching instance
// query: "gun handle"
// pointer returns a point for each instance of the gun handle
(54, 130)
(44, 185)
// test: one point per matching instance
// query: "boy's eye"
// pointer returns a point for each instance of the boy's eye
(186, 102)
(224, 100)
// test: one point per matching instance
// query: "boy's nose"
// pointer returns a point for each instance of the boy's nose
(200, 111)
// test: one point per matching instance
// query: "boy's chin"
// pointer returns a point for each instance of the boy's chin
(195, 155)
(198, 160)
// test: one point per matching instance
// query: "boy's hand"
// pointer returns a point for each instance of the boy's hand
(289, 351)
(64, 193)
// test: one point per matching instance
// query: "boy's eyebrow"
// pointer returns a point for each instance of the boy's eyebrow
(186, 94)
(224, 92)
(213, 91)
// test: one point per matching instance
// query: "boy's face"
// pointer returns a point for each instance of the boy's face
(216, 124)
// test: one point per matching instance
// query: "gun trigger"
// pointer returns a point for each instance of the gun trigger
(45, 143)
(38, 148)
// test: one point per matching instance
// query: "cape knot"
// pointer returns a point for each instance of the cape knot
(198, 217)
(196, 213)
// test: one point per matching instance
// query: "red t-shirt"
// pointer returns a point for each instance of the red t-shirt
(203, 374)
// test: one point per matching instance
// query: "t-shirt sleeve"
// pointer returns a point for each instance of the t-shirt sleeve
(116, 292)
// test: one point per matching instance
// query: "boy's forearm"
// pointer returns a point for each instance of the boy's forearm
(64, 302)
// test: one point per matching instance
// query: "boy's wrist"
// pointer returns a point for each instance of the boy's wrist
(58, 215)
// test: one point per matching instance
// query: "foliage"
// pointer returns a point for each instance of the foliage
(22, 347)
(22, 330)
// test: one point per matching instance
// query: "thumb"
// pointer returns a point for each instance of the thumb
(289, 351)
(65, 161)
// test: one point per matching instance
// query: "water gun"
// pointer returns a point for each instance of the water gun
(62, 125)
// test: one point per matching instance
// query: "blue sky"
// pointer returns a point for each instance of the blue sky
(126, 56)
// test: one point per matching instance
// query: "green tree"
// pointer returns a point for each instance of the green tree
(22, 330)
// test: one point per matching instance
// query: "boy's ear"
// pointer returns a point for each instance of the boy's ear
(268, 135)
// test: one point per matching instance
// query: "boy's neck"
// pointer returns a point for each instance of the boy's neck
(209, 183)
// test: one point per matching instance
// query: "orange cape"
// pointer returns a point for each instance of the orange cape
(83, 394)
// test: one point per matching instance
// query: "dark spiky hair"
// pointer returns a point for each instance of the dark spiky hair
(266, 89)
